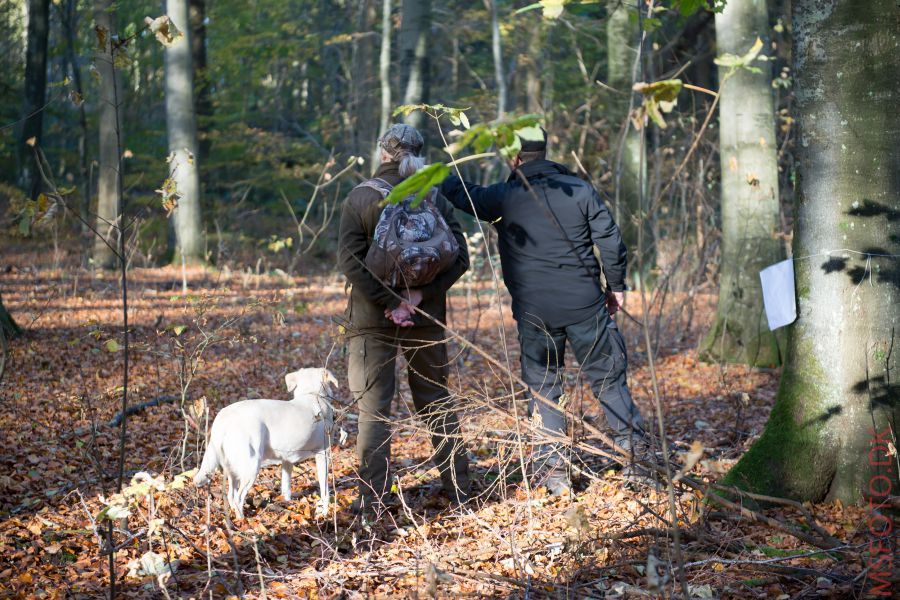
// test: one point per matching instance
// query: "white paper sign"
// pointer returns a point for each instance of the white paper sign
(778, 294)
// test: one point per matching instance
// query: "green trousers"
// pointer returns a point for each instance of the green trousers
(373, 354)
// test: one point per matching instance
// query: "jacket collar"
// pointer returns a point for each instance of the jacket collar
(388, 168)
(539, 168)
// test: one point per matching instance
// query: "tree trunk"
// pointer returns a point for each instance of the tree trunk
(622, 43)
(533, 66)
(384, 76)
(181, 125)
(110, 127)
(414, 66)
(360, 92)
(203, 102)
(749, 193)
(9, 327)
(497, 51)
(69, 14)
(840, 381)
(35, 94)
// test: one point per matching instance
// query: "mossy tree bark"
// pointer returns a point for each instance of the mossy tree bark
(623, 39)
(749, 195)
(840, 383)
(181, 125)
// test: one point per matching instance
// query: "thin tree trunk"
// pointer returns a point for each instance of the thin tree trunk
(69, 20)
(7, 323)
(414, 66)
(840, 382)
(749, 194)
(622, 43)
(497, 51)
(361, 64)
(202, 100)
(536, 79)
(181, 124)
(384, 75)
(108, 174)
(35, 94)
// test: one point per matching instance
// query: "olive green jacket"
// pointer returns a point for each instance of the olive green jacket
(369, 296)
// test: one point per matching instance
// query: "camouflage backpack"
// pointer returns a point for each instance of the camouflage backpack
(411, 246)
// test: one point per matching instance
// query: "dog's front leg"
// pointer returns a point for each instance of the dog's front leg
(287, 468)
(322, 473)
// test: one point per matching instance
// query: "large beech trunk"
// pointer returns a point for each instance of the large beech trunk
(750, 215)
(181, 124)
(840, 396)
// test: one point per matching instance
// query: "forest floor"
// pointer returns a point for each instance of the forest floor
(59, 458)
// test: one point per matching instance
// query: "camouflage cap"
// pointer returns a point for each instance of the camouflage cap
(401, 138)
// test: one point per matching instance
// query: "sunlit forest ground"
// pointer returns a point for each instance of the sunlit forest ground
(62, 389)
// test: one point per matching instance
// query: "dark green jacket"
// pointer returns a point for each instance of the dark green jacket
(369, 296)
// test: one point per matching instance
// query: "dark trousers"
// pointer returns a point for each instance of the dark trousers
(599, 350)
(373, 354)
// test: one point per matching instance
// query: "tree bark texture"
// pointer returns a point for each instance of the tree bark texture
(384, 75)
(414, 66)
(108, 173)
(202, 100)
(35, 94)
(840, 383)
(181, 125)
(622, 43)
(497, 51)
(749, 195)
(7, 323)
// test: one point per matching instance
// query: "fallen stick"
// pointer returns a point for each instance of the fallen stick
(116, 420)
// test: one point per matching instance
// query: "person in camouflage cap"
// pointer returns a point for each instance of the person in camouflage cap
(401, 139)
(378, 323)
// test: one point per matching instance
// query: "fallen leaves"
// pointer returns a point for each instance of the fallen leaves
(46, 533)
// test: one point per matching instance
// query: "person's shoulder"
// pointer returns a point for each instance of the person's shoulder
(363, 195)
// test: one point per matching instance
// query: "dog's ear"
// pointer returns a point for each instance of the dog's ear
(290, 380)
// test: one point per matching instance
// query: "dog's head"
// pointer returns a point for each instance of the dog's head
(311, 382)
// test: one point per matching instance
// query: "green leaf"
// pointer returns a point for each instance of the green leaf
(405, 109)
(532, 133)
(113, 513)
(733, 62)
(178, 329)
(464, 119)
(418, 183)
(112, 346)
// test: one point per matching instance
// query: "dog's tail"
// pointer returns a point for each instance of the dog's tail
(207, 467)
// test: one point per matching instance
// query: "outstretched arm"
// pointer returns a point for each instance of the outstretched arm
(486, 201)
(606, 236)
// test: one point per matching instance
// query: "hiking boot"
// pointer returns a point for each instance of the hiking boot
(366, 505)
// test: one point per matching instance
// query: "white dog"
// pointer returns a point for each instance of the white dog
(250, 434)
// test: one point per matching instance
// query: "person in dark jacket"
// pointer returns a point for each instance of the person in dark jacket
(378, 323)
(548, 222)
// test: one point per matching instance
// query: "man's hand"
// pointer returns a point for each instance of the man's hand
(401, 316)
(614, 301)
(413, 296)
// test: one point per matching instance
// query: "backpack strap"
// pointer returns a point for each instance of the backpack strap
(379, 185)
